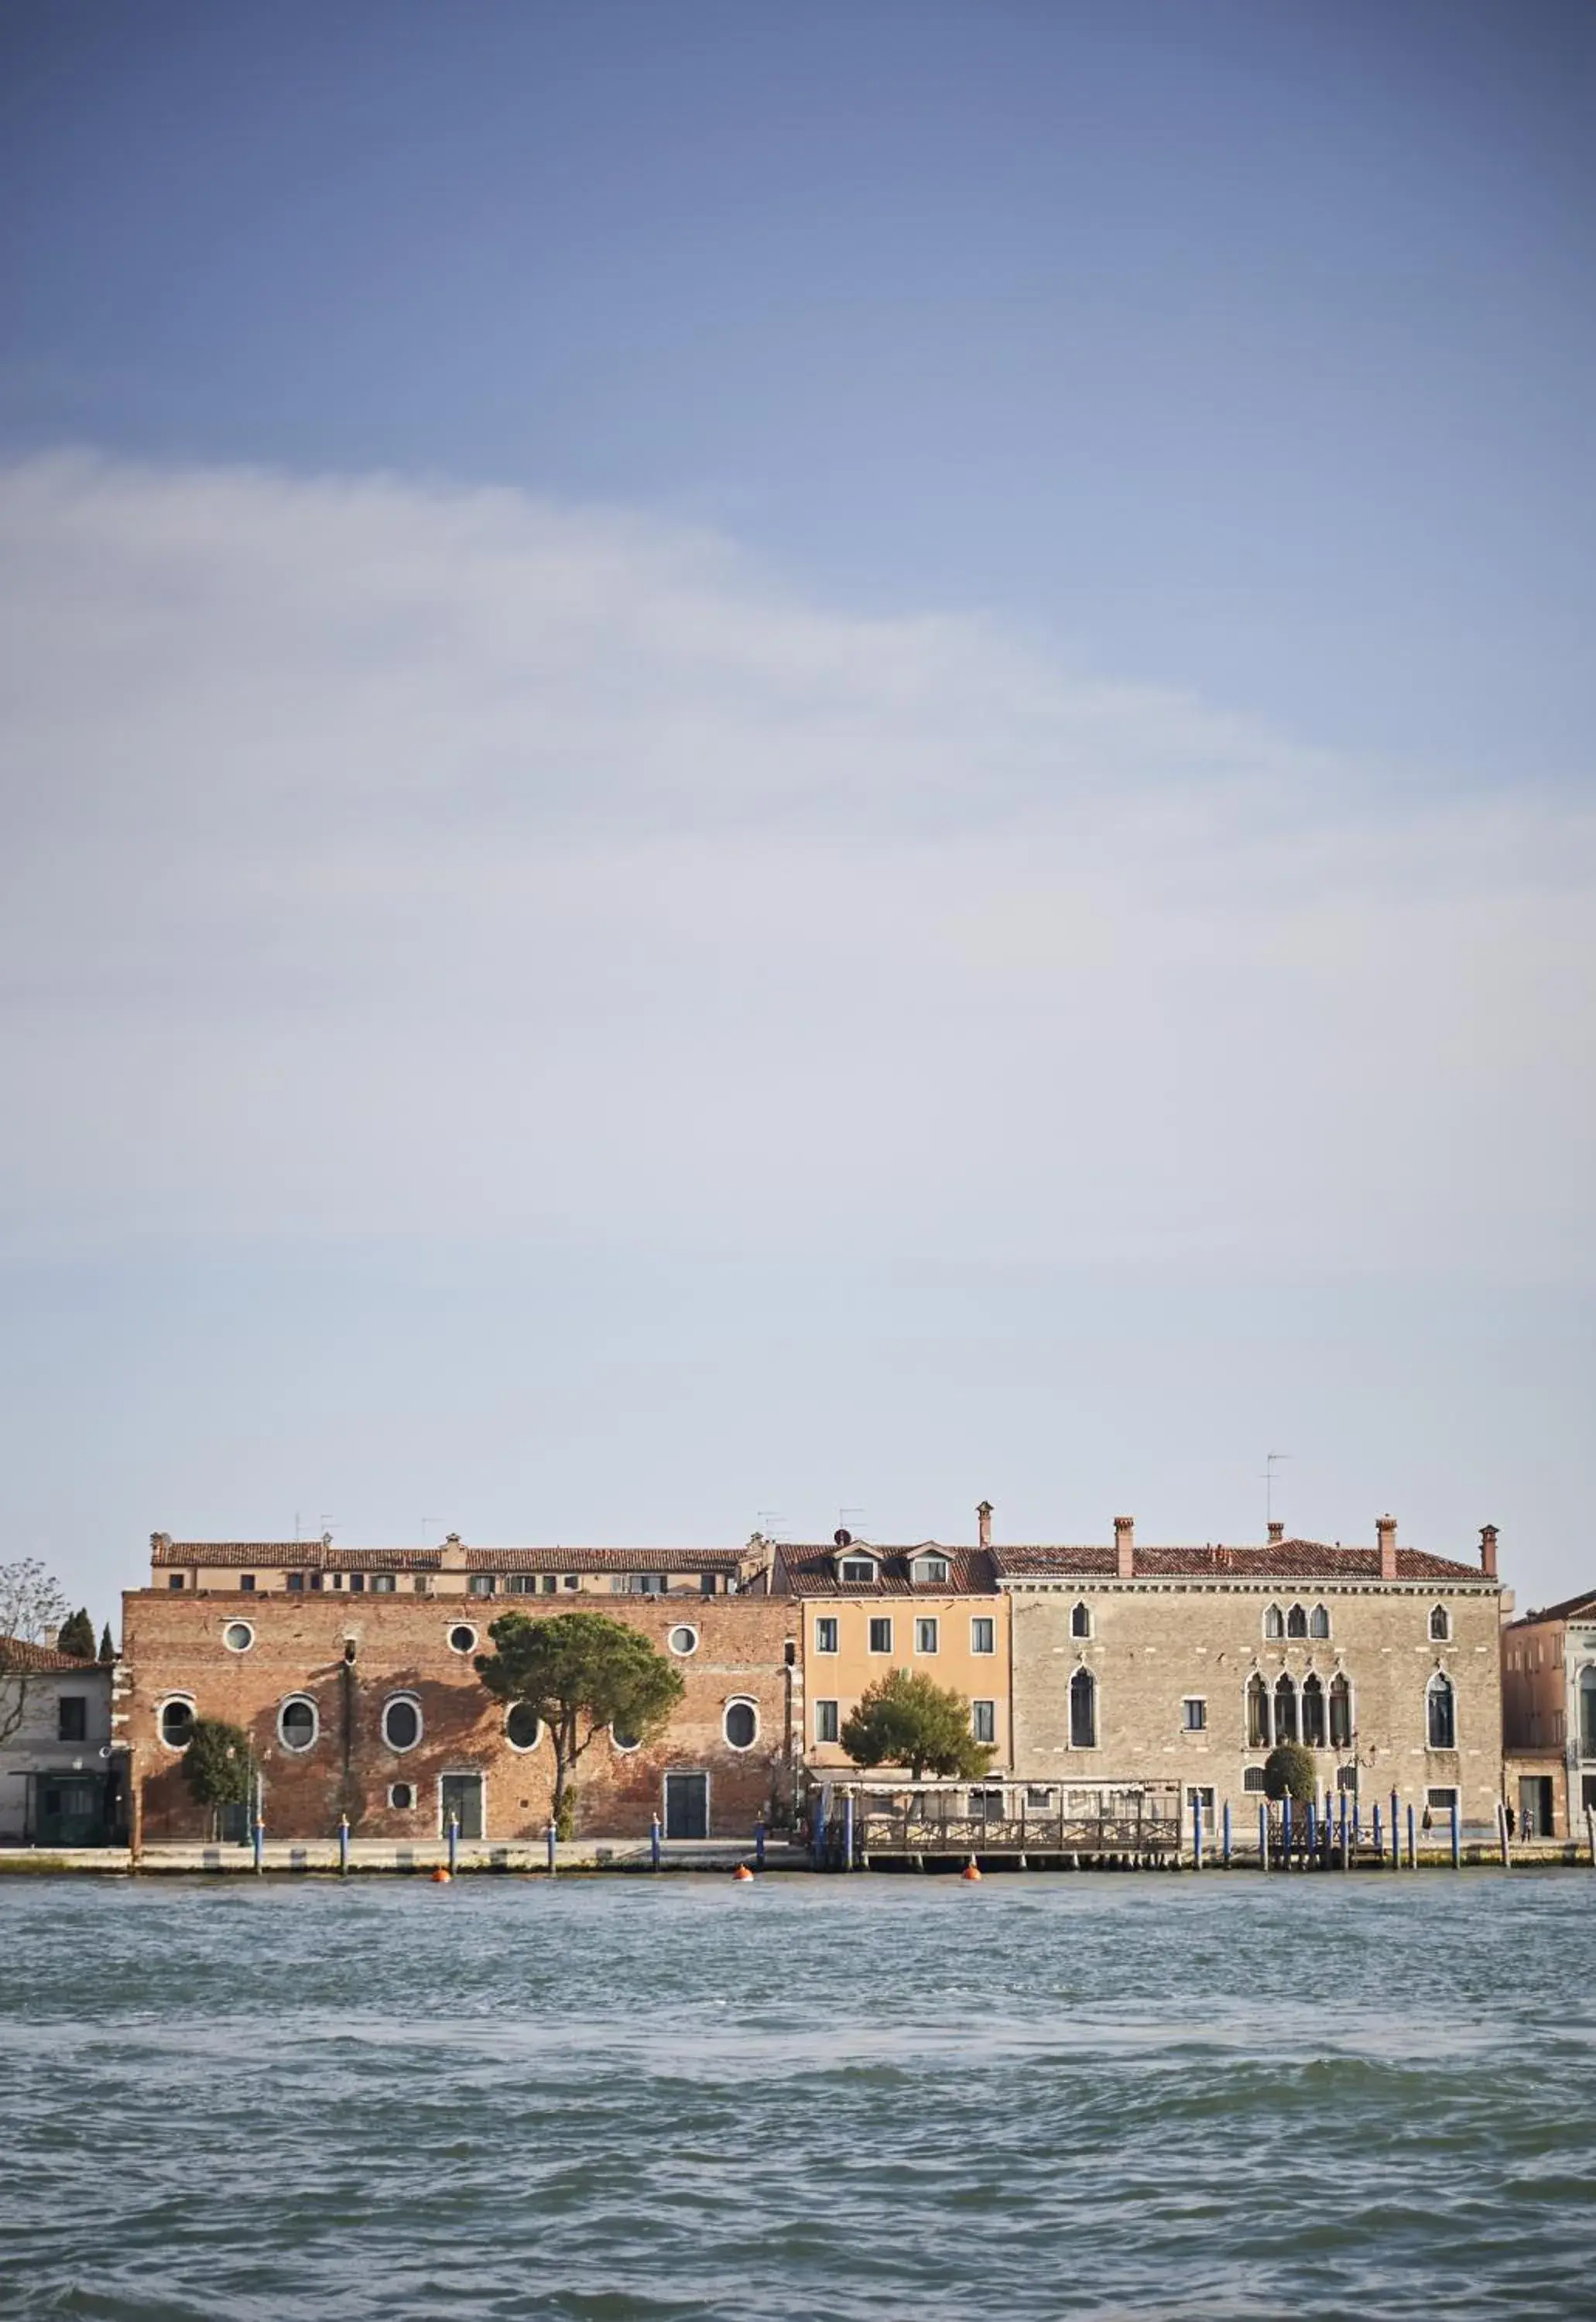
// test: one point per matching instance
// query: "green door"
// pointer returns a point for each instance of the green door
(69, 1809)
(460, 1794)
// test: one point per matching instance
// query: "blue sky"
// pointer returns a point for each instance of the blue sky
(760, 762)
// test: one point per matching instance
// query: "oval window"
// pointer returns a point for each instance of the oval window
(296, 1724)
(624, 1740)
(461, 1640)
(403, 1796)
(176, 1724)
(401, 1722)
(741, 1724)
(683, 1641)
(523, 1726)
(238, 1636)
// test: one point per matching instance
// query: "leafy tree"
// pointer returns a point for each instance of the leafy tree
(580, 1672)
(76, 1636)
(108, 1649)
(1290, 1772)
(218, 1764)
(32, 1607)
(909, 1721)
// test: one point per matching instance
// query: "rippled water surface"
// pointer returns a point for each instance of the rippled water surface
(809, 2097)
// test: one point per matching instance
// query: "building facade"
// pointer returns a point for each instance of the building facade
(59, 1783)
(1147, 1665)
(867, 1610)
(366, 1701)
(1548, 1692)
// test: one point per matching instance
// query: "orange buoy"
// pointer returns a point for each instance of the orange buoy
(970, 1872)
(742, 1871)
(440, 1877)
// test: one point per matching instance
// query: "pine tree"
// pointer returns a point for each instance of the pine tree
(107, 1649)
(76, 1636)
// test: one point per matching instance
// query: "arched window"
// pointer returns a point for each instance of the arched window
(1440, 1624)
(1258, 1734)
(1080, 1620)
(1441, 1713)
(1274, 1621)
(1340, 1713)
(1285, 1711)
(1319, 1625)
(401, 1721)
(1083, 1709)
(176, 1722)
(1296, 1622)
(1313, 1713)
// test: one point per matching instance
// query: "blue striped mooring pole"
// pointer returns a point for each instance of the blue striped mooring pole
(344, 1846)
(654, 1841)
(259, 1844)
(453, 1843)
(551, 1842)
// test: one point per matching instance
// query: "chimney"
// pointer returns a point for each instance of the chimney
(1124, 1547)
(1487, 1551)
(1277, 1531)
(984, 1518)
(1386, 1532)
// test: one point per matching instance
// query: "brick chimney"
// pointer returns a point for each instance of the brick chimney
(983, 1516)
(1124, 1547)
(1386, 1533)
(1487, 1551)
(1277, 1531)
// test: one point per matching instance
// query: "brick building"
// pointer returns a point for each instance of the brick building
(364, 1701)
(1548, 1699)
(867, 1609)
(1136, 1664)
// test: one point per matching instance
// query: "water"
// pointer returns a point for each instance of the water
(809, 2096)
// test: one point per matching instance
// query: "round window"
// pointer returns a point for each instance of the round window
(462, 1639)
(402, 1795)
(523, 1726)
(683, 1639)
(176, 1724)
(238, 1636)
(623, 1740)
(742, 1722)
(401, 1722)
(297, 1725)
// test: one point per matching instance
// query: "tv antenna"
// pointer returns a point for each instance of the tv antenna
(848, 1519)
(1271, 1463)
(769, 1523)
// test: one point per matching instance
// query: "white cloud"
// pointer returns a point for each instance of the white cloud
(386, 858)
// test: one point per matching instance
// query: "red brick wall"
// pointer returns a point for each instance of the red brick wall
(173, 1644)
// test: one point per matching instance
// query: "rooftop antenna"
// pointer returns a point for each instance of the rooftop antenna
(848, 1519)
(769, 1521)
(425, 1521)
(1272, 1461)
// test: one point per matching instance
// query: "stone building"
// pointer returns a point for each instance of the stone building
(867, 1609)
(1134, 1665)
(364, 1700)
(1548, 1699)
(59, 1783)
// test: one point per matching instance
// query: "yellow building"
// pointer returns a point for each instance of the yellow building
(867, 1610)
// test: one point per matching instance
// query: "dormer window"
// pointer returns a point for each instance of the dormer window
(860, 1570)
(931, 1569)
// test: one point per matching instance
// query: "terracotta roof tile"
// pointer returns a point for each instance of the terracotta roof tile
(810, 1570)
(1283, 1560)
(18, 1656)
(606, 1559)
(1571, 1608)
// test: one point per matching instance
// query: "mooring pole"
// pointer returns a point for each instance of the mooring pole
(453, 1843)
(1456, 1836)
(1379, 1834)
(1396, 1835)
(1413, 1847)
(654, 1841)
(1264, 1838)
(1590, 1833)
(1197, 1829)
(551, 1842)
(1285, 1832)
(848, 1832)
(344, 1846)
(1227, 1832)
(759, 1843)
(1313, 1833)
(259, 1846)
